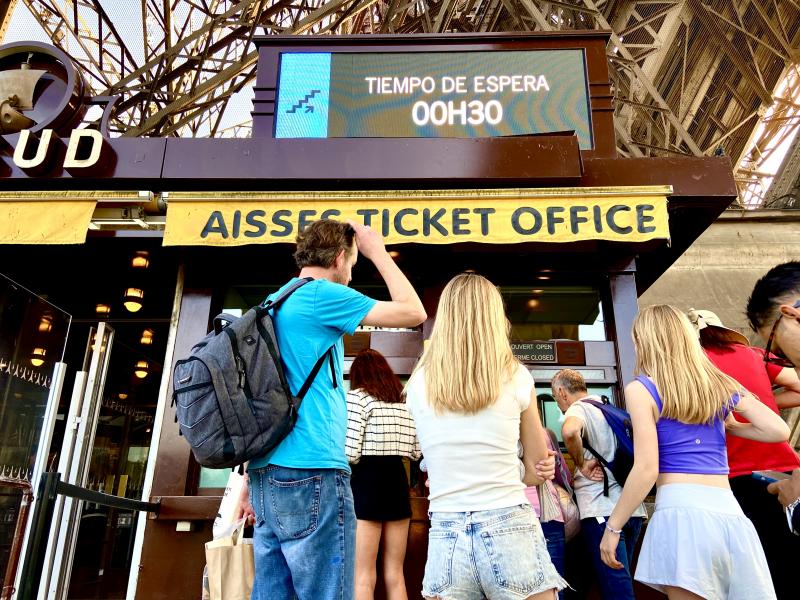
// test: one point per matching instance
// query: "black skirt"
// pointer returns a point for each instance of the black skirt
(380, 489)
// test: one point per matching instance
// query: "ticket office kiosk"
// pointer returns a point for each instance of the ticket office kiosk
(472, 169)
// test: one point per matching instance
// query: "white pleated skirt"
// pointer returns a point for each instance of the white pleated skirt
(699, 539)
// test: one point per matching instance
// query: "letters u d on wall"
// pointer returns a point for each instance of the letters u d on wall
(428, 217)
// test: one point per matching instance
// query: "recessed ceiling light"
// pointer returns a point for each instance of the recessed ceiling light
(140, 260)
(37, 357)
(133, 299)
(141, 369)
(46, 324)
(147, 337)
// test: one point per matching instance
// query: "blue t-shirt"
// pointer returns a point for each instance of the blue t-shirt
(310, 321)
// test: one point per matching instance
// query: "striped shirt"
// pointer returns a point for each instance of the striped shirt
(376, 428)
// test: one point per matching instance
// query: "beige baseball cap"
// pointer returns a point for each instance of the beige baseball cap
(705, 318)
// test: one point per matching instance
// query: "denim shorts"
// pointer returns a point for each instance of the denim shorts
(498, 554)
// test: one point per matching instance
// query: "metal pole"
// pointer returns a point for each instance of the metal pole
(19, 534)
(42, 515)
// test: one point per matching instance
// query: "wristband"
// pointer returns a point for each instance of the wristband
(790, 508)
(612, 530)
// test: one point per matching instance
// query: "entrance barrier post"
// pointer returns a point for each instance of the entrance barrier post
(50, 488)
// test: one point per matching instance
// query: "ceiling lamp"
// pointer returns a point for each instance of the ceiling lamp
(133, 299)
(147, 337)
(122, 396)
(141, 369)
(140, 260)
(533, 303)
(46, 324)
(37, 357)
(102, 309)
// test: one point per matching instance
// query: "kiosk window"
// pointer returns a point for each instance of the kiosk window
(554, 312)
(552, 417)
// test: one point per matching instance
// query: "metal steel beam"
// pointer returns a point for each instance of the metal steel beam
(647, 84)
(6, 11)
(196, 54)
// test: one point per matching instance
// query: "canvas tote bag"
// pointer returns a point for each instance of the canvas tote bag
(231, 567)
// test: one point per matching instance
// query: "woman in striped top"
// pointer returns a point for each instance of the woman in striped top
(380, 432)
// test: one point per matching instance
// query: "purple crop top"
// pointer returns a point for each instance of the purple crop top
(685, 448)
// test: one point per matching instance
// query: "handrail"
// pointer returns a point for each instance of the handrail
(74, 491)
(50, 486)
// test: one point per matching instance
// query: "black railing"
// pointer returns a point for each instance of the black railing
(50, 487)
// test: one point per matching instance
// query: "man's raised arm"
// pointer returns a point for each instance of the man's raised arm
(405, 308)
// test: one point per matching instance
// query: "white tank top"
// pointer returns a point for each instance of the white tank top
(472, 460)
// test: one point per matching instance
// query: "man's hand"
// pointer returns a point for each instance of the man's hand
(787, 490)
(546, 468)
(369, 241)
(608, 549)
(591, 469)
(244, 510)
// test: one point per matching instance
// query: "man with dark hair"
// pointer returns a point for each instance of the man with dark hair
(586, 421)
(774, 310)
(305, 525)
(774, 313)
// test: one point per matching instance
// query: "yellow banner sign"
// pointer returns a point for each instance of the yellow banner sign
(45, 222)
(428, 217)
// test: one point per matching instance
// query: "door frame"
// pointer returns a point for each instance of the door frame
(155, 440)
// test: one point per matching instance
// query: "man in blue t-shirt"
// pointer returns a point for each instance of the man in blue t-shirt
(299, 494)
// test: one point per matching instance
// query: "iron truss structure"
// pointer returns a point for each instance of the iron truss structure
(690, 76)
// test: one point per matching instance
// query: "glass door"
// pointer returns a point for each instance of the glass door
(116, 457)
(105, 448)
(33, 334)
(74, 463)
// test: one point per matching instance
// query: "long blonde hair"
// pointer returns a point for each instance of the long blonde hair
(468, 357)
(692, 389)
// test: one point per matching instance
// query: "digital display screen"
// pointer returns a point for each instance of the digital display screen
(433, 94)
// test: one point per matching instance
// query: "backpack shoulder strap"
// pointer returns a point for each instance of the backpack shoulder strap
(313, 374)
(603, 462)
(276, 302)
(651, 387)
(596, 403)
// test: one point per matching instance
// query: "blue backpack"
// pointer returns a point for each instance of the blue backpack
(622, 462)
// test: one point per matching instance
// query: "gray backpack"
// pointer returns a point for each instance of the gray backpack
(232, 400)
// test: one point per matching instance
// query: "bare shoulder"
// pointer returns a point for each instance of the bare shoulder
(637, 388)
(638, 399)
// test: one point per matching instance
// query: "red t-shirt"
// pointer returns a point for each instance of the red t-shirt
(746, 365)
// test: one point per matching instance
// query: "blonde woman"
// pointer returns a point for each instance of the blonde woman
(698, 544)
(472, 402)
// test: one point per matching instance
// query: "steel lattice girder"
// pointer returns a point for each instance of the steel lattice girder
(690, 77)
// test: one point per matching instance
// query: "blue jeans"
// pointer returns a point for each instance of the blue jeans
(615, 584)
(556, 543)
(305, 534)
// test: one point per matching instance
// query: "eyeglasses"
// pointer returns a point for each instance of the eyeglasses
(778, 360)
